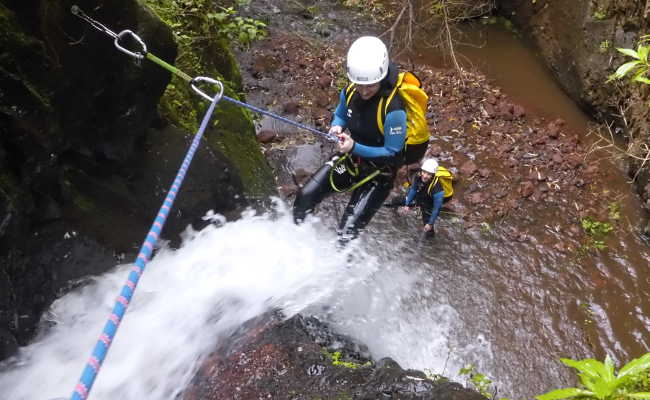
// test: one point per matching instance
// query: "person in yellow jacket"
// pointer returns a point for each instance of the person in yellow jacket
(430, 189)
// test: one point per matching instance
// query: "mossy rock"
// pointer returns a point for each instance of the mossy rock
(223, 60)
(235, 136)
(232, 131)
(7, 188)
(16, 75)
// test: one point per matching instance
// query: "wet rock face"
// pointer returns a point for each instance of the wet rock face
(578, 41)
(73, 111)
(301, 358)
(67, 89)
(85, 160)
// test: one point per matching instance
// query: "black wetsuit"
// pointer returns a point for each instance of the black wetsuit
(364, 130)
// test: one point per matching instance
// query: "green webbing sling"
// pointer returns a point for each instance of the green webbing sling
(353, 171)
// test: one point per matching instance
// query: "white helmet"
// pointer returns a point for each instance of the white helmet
(367, 60)
(430, 165)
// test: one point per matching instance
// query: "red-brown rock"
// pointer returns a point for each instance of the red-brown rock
(484, 172)
(526, 188)
(518, 111)
(266, 136)
(468, 168)
(324, 82)
(291, 107)
(476, 198)
(288, 190)
(434, 150)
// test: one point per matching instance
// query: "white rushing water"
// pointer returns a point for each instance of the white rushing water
(220, 277)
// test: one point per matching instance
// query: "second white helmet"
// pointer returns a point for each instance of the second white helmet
(367, 60)
(430, 165)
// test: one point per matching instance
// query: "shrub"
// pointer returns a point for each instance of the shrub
(600, 382)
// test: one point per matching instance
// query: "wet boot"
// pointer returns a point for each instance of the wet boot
(312, 193)
(364, 203)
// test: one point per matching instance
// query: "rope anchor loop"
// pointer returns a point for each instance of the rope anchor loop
(142, 53)
(125, 33)
(201, 93)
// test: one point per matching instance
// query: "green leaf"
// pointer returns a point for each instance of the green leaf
(635, 366)
(563, 394)
(625, 68)
(639, 395)
(604, 382)
(628, 52)
(643, 53)
(642, 79)
(603, 388)
(588, 366)
(608, 367)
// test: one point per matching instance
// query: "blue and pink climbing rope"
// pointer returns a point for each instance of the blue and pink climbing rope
(91, 370)
(82, 389)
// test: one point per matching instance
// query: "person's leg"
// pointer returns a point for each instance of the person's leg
(312, 193)
(426, 214)
(363, 204)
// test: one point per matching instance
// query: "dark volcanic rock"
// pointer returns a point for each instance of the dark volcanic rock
(301, 358)
(71, 110)
(266, 136)
(81, 172)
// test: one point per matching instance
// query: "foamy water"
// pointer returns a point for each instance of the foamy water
(219, 278)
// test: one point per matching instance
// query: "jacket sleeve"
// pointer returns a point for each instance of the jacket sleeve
(410, 196)
(394, 138)
(437, 204)
(341, 112)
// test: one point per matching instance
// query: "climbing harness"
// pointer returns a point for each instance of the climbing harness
(346, 165)
(143, 53)
(89, 374)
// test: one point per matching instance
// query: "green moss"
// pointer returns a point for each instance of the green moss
(235, 136)
(202, 54)
(225, 62)
(80, 201)
(177, 106)
(8, 29)
(336, 360)
(22, 47)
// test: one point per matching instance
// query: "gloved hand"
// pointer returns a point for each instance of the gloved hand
(428, 228)
(346, 143)
(335, 130)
